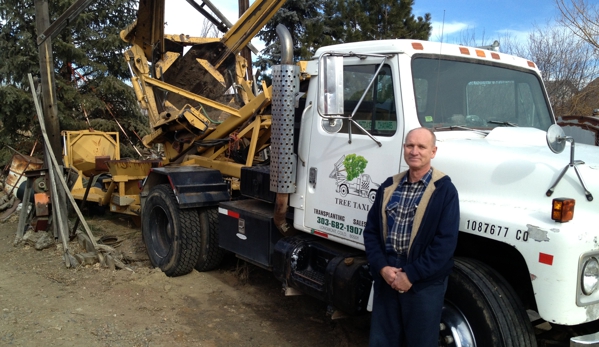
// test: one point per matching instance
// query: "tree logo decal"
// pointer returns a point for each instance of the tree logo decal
(350, 177)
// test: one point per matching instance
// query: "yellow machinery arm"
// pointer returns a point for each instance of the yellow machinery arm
(147, 32)
(198, 101)
(248, 26)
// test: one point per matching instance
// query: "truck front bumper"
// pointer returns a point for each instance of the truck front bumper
(585, 340)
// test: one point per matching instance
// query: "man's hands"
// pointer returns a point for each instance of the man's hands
(396, 278)
(389, 274)
(401, 283)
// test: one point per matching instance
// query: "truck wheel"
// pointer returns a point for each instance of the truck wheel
(211, 254)
(481, 309)
(343, 190)
(169, 232)
(372, 196)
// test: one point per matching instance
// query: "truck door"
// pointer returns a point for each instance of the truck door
(347, 165)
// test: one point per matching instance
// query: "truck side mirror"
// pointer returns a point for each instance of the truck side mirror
(330, 85)
(556, 139)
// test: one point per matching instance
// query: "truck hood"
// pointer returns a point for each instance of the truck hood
(515, 162)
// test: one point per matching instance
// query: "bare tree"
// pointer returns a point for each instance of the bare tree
(568, 65)
(582, 17)
(208, 29)
(511, 45)
(468, 37)
(507, 44)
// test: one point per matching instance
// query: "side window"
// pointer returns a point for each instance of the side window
(376, 113)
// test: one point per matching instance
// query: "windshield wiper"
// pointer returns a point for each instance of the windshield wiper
(461, 127)
(509, 124)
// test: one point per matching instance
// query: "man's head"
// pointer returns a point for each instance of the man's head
(419, 148)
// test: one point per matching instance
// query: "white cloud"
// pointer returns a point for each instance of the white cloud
(457, 32)
(515, 35)
(443, 30)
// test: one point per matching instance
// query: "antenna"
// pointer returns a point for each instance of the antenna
(443, 27)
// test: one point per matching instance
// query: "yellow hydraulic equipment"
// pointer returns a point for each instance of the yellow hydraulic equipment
(95, 156)
(200, 106)
(86, 152)
(123, 187)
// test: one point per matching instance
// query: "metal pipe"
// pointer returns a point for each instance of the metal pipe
(282, 126)
(281, 206)
(286, 45)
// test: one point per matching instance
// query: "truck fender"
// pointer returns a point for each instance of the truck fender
(193, 186)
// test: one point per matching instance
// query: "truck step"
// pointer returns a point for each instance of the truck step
(310, 277)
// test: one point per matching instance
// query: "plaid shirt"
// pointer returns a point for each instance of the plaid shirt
(401, 210)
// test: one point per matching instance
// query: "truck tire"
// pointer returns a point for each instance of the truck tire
(482, 309)
(343, 190)
(372, 196)
(169, 232)
(211, 254)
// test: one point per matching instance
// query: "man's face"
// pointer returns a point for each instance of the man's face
(419, 150)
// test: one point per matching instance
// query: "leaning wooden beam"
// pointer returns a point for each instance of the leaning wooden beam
(69, 260)
(97, 246)
(63, 229)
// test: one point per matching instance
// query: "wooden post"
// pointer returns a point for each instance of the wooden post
(50, 114)
(42, 22)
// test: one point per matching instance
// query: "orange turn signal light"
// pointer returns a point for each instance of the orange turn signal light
(562, 209)
(417, 45)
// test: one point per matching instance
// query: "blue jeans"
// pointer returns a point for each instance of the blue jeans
(410, 319)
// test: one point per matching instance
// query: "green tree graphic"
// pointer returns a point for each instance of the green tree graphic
(354, 165)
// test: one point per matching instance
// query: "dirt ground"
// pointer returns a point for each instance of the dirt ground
(43, 303)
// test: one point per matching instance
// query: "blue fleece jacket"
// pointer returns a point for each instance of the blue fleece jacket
(434, 233)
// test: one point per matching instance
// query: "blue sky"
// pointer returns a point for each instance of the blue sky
(488, 20)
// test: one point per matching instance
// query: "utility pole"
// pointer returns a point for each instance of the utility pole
(42, 22)
(51, 121)
(245, 52)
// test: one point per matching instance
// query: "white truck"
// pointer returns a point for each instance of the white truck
(518, 248)
(529, 240)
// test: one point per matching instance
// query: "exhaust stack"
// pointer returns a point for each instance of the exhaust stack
(285, 82)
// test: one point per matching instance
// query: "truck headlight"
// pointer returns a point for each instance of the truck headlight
(590, 276)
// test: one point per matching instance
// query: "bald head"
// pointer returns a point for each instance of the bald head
(426, 130)
(419, 148)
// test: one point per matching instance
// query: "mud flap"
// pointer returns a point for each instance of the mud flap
(370, 298)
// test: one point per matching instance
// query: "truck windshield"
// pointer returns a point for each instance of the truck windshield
(475, 95)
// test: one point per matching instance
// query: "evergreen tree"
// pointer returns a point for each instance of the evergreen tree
(305, 21)
(363, 20)
(316, 23)
(90, 71)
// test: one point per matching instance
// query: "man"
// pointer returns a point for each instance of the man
(410, 237)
